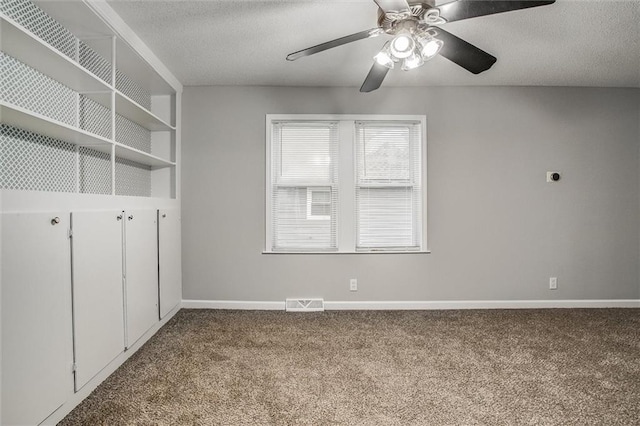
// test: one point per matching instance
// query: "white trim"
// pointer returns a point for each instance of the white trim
(484, 304)
(233, 304)
(128, 36)
(420, 305)
(267, 183)
(425, 191)
(346, 220)
(16, 200)
(75, 399)
(350, 252)
(345, 117)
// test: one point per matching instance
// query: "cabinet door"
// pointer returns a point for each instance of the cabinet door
(37, 347)
(141, 272)
(170, 260)
(98, 303)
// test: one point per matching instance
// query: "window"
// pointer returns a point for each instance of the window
(345, 184)
(388, 190)
(319, 203)
(303, 185)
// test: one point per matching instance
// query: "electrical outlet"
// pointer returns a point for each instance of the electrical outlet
(553, 283)
(553, 176)
(353, 284)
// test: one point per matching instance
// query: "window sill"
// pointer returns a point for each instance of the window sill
(349, 252)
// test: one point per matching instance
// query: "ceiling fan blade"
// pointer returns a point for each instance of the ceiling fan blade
(374, 79)
(392, 5)
(465, 54)
(334, 43)
(464, 9)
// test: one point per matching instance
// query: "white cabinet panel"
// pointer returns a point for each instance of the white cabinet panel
(98, 305)
(37, 348)
(170, 260)
(141, 277)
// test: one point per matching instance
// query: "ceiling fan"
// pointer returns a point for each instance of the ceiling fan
(417, 38)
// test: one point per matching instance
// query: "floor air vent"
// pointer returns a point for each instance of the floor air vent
(304, 305)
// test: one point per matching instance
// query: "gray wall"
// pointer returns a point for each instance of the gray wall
(497, 230)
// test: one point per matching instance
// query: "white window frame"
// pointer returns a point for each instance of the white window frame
(346, 232)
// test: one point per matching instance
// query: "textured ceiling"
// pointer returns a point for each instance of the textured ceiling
(245, 42)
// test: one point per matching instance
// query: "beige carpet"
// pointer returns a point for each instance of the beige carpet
(517, 367)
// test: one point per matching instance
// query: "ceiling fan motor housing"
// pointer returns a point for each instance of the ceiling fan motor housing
(392, 22)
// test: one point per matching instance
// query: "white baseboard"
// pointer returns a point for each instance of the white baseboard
(234, 304)
(420, 305)
(76, 398)
(483, 304)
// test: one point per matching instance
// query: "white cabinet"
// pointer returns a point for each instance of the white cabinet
(98, 316)
(81, 300)
(115, 284)
(140, 273)
(37, 352)
(170, 260)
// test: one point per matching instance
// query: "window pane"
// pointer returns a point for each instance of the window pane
(319, 204)
(320, 196)
(293, 228)
(323, 210)
(384, 153)
(305, 152)
(386, 217)
(303, 191)
(388, 187)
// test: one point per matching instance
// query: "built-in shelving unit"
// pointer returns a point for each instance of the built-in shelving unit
(89, 129)
(106, 91)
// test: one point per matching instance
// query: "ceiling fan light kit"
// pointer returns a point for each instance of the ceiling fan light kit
(430, 46)
(403, 45)
(417, 39)
(413, 61)
(384, 57)
(413, 50)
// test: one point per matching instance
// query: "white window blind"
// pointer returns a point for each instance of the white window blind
(388, 185)
(304, 193)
